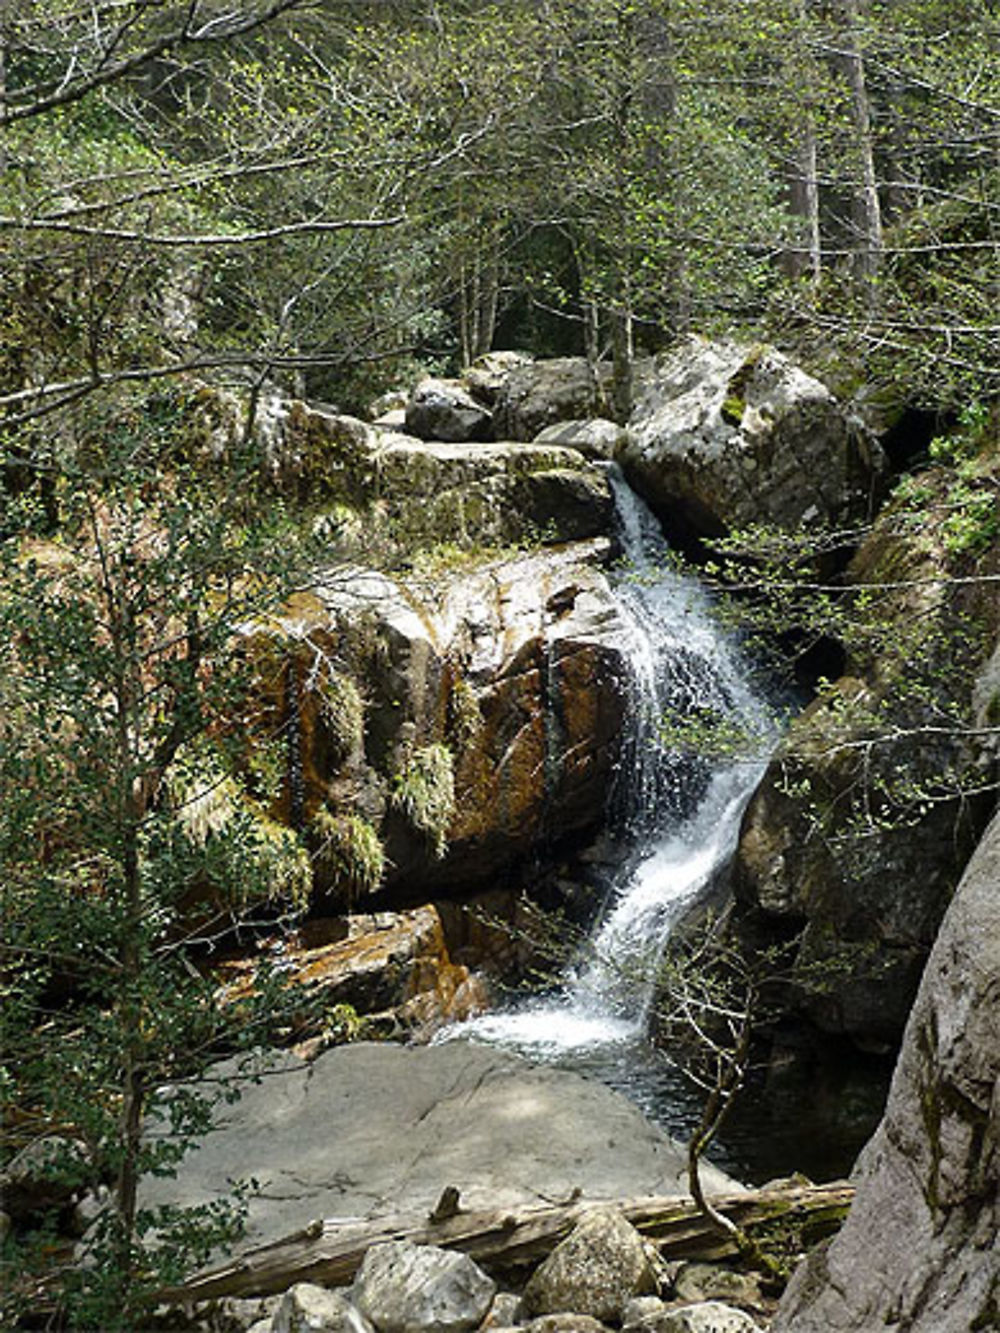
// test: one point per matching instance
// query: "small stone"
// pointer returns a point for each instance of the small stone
(707, 1317)
(565, 1323)
(307, 1308)
(234, 1314)
(642, 1313)
(600, 1265)
(406, 1288)
(503, 1312)
(709, 1282)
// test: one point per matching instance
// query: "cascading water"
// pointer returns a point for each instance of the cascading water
(677, 817)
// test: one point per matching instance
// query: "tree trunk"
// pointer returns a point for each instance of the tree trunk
(804, 187)
(331, 1253)
(867, 208)
(621, 314)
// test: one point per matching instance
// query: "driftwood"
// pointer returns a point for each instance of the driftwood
(331, 1252)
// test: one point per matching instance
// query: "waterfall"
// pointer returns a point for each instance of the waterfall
(676, 815)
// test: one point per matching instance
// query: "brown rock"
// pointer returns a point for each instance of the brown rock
(388, 964)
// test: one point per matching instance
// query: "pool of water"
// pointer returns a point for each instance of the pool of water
(811, 1114)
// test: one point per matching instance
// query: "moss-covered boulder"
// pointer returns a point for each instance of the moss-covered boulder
(727, 434)
(440, 730)
(482, 494)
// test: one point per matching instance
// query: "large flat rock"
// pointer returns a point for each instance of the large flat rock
(367, 1130)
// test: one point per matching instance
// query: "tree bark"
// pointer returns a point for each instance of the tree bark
(867, 208)
(804, 187)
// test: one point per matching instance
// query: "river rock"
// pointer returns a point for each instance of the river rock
(919, 1247)
(306, 1308)
(405, 1288)
(544, 392)
(594, 438)
(705, 1317)
(726, 434)
(490, 372)
(564, 1323)
(375, 1129)
(445, 410)
(503, 1313)
(600, 1265)
(469, 494)
(391, 966)
(710, 1282)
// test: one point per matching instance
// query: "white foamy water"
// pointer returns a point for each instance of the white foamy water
(678, 815)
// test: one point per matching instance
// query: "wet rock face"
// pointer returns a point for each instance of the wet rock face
(723, 435)
(919, 1247)
(508, 675)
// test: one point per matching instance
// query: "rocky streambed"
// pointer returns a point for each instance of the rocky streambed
(455, 700)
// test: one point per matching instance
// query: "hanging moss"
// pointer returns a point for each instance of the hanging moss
(343, 712)
(424, 793)
(464, 716)
(235, 844)
(349, 855)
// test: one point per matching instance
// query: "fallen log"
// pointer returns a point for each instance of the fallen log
(330, 1252)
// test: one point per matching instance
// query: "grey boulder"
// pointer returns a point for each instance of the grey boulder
(594, 438)
(724, 434)
(919, 1249)
(445, 410)
(545, 392)
(600, 1266)
(406, 1288)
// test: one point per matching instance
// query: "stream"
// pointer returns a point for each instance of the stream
(676, 818)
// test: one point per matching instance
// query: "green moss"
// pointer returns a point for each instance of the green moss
(735, 402)
(424, 793)
(464, 717)
(348, 855)
(343, 711)
(234, 844)
(733, 409)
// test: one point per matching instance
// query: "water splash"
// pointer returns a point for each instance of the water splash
(677, 815)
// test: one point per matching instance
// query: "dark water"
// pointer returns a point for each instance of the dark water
(812, 1115)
